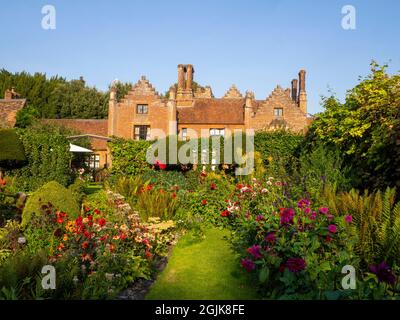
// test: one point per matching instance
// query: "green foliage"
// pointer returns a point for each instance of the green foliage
(11, 149)
(122, 89)
(54, 193)
(26, 117)
(365, 129)
(155, 203)
(165, 179)
(48, 155)
(317, 170)
(129, 156)
(377, 219)
(55, 97)
(20, 276)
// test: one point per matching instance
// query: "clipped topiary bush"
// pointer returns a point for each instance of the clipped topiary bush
(52, 192)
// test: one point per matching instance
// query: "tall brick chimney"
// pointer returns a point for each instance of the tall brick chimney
(294, 90)
(184, 95)
(302, 91)
(181, 77)
(189, 76)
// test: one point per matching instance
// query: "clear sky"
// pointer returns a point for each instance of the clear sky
(253, 44)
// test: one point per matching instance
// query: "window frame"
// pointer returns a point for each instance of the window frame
(93, 161)
(144, 108)
(184, 133)
(213, 132)
(280, 112)
(141, 135)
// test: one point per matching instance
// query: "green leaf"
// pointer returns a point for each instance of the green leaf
(264, 274)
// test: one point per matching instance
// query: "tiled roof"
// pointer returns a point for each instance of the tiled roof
(98, 127)
(9, 109)
(209, 111)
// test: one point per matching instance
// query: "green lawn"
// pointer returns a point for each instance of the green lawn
(203, 270)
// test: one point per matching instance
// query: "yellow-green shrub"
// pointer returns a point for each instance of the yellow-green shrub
(52, 192)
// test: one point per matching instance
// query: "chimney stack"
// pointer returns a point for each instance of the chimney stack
(189, 76)
(294, 90)
(302, 80)
(181, 77)
(11, 94)
(302, 91)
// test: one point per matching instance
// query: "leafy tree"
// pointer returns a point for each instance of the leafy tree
(26, 116)
(56, 97)
(365, 128)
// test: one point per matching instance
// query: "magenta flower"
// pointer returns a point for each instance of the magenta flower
(332, 228)
(383, 272)
(248, 264)
(313, 215)
(255, 251)
(303, 203)
(329, 217)
(287, 216)
(324, 210)
(295, 264)
(271, 237)
(307, 210)
(348, 219)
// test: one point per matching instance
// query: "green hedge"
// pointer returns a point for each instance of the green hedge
(12, 151)
(129, 157)
(48, 155)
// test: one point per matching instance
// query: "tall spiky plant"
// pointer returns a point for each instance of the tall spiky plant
(377, 220)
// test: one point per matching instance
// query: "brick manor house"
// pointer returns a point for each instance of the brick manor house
(188, 113)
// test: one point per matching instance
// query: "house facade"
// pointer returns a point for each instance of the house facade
(143, 114)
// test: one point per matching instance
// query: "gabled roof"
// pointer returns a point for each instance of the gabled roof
(233, 93)
(142, 88)
(9, 109)
(213, 111)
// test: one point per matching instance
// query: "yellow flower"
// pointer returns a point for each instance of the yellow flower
(270, 159)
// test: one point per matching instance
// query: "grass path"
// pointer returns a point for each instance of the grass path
(203, 270)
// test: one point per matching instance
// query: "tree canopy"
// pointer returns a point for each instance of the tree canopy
(56, 97)
(365, 128)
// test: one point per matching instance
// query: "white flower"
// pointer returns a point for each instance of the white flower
(264, 190)
(269, 183)
(21, 240)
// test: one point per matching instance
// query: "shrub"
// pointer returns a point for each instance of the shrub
(129, 156)
(12, 151)
(365, 129)
(54, 193)
(278, 149)
(48, 155)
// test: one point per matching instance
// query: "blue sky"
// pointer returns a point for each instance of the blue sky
(253, 44)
